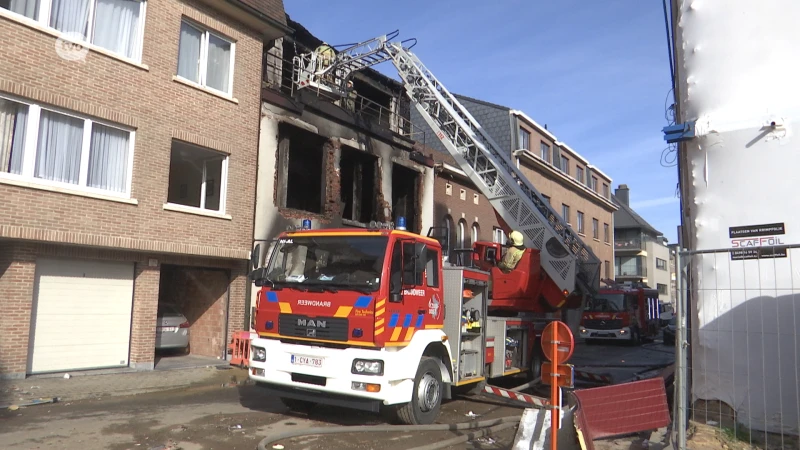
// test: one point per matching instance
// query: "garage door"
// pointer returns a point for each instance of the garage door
(82, 315)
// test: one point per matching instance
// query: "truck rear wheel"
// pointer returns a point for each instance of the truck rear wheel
(536, 361)
(426, 399)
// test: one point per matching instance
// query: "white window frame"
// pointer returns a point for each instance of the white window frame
(524, 139)
(223, 185)
(474, 233)
(204, 39)
(43, 21)
(499, 236)
(545, 152)
(579, 221)
(32, 141)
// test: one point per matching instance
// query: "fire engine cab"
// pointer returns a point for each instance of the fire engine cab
(629, 312)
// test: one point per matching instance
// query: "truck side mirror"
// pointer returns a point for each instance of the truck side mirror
(254, 257)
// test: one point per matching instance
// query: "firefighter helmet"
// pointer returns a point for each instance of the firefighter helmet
(516, 238)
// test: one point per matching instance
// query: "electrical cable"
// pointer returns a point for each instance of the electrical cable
(262, 445)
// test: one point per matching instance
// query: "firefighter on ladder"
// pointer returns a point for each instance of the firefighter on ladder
(516, 248)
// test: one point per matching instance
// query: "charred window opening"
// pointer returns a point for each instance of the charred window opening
(358, 170)
(371, 103)
(300, 169)
(404, 196)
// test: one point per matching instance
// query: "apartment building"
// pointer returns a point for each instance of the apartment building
(128, 148)
(340, 162)
(641, 252)
(575, 188)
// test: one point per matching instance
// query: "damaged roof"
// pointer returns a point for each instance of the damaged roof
(626, 217)
(304, 37)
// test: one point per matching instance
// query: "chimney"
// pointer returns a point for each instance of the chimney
(623, 194)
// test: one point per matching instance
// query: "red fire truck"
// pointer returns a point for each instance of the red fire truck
(374, 318)
(629, 312)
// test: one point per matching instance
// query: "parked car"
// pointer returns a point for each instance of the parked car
(172, 328)
(669, 331)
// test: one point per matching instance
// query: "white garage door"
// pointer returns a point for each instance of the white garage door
(82, 315)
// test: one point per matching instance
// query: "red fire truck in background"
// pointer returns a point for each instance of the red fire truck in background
(629, 312)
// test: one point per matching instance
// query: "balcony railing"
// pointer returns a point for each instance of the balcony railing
(279, 75)
(630, 271)
(629, 244)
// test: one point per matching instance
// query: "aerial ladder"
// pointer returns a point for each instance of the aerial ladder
(566, 259)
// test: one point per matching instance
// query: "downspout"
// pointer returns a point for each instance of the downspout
(227, 313)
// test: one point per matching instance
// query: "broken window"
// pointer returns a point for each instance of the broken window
(300, 169)
(197, 177)
(404, 195)
(371, 103)
(358, 194)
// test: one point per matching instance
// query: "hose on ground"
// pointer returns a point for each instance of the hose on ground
(467, 437)
(262, 445)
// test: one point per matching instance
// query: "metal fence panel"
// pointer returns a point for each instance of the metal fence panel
(742, 308)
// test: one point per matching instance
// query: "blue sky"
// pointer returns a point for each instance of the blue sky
(595, 72)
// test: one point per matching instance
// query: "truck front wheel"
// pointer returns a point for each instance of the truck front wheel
(426, 398)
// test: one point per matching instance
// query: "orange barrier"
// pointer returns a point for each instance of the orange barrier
(239, 348)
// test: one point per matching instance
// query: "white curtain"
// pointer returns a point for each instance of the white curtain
(70, 16)
(189, 53)
(25, 7)
(13, 120)
(108, 159)
(219, 63)
(117, 26)
(58, 153)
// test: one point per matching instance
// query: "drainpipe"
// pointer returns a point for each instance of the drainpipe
(227, 312)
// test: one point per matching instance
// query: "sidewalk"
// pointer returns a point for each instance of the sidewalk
(86, 386)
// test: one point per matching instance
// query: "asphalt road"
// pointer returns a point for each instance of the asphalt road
(239, 417)
(620, 360)
(218, 418)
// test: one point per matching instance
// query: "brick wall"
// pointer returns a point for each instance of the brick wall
(158, 108)
(145, 309)
(16, 289)
(466, 209)
(17, 277)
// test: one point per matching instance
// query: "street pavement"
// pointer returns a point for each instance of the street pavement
(216, 417)
(620, 360)
(215, 408)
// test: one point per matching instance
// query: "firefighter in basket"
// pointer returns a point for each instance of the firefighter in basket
(516, 248)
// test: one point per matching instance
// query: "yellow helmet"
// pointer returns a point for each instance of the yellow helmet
(516, 238)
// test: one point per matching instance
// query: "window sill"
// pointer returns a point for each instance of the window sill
(196, 211)
(581, 234)
(5, 179)
(207, 90)
(30, 23)
(596, 240)
(608, 243)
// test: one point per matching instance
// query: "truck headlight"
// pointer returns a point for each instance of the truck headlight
(259, 354)
(367, 367)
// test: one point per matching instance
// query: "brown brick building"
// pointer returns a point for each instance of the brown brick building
(127, 174)
(575, 189)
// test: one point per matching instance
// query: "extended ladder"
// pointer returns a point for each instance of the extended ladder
(564, 256)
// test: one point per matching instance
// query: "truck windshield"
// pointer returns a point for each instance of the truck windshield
(329, 262)
(607, 303)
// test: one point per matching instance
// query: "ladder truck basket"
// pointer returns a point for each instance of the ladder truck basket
(239, 348)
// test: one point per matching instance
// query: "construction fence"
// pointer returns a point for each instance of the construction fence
(738, 345)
